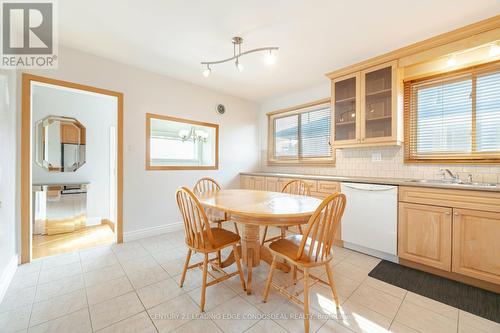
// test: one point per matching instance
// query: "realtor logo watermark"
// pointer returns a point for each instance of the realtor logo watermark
(29, 34)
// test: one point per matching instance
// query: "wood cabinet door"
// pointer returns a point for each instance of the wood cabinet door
(424, 234)
(247, 182)
(379, 103)
(476, 244)
(70, 134)
(259, 183)
(346, 106)
(272, 184)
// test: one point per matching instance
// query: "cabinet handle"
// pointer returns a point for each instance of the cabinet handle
(447, 213)
(456, 214)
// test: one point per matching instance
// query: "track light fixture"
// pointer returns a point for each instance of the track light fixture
(237, 54)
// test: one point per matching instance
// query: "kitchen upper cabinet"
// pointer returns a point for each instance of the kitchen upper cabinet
(476, 245)
(345, 101)
(366, 108)
(424, 234)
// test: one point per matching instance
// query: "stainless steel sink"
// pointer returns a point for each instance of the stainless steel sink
(429, 181)
(444, 182)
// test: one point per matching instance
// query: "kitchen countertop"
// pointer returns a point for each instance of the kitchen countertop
(378, 180)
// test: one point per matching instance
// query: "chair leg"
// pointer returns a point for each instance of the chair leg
(186, 264)
(294, 274)
(265, 234)
(306, 300)
(238, 264)
(269, 279)
(204, 283)
(300, 230)
(219, 258)
(236, 228)
(283, 232)
(332, 284)
(219, 225)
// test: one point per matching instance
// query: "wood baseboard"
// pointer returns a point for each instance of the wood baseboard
(452, 276)
(109, 223)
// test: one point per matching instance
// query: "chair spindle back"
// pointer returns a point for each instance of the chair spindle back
(195, 220)
(298, 187)
(321, 228)
(205, 184)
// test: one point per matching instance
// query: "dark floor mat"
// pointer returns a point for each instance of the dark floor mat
(478, 301)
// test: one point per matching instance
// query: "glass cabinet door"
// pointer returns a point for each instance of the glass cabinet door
(345, 100)
(377, 110)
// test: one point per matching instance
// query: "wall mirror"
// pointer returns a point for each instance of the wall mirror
(60, 144)
(174, 143)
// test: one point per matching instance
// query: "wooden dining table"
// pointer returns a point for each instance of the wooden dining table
(254, 209)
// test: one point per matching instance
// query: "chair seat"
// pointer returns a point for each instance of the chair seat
(222, 238)
(288, 248)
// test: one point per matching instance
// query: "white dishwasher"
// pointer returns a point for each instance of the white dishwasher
(370, 221)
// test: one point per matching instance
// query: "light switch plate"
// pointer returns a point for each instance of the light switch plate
(376, 157)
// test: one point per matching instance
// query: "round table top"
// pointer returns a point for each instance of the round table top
(260, 204)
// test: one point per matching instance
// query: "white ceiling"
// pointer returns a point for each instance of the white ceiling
(171, 37)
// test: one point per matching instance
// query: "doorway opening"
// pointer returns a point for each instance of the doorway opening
(71, 167)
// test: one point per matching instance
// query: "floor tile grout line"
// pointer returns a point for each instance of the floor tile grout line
(55, 296)
(137, 295)
(399, 307)
(439, 314)
(33, 302)
(59, 317)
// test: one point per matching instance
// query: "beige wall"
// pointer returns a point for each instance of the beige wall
(358, 161)
(8, 173)
(149, 204)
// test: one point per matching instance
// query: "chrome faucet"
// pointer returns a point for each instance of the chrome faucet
(454, 178)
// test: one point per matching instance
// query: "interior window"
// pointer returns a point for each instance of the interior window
(175, 143)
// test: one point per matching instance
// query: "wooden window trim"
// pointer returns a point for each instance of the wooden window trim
(271, 116)
(410, 126)
(150, 116)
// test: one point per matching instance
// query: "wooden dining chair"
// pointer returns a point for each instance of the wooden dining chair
(298, 187)
(207, 184)
(312, 249)
(201, 238)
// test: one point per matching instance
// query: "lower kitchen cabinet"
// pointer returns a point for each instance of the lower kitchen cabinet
(253, 182)
(476, 244)
(424, 234)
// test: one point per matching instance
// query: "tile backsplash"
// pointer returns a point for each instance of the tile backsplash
(386, 162)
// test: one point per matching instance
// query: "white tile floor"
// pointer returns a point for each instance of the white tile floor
(133, 287)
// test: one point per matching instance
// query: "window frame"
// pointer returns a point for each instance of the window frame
(150, 116)
(296, 110)
(410, 123)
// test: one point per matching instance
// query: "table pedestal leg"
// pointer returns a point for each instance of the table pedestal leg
(250, 246)
(252, 252)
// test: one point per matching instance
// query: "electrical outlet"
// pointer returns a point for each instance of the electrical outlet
(376, 157)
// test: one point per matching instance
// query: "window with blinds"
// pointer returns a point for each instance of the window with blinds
(301, 135)
(454, 117)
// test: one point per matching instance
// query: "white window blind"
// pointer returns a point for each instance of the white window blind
(315, 133)
(303, 135)
(454, 117)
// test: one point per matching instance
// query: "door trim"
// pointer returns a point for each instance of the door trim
(27, 79)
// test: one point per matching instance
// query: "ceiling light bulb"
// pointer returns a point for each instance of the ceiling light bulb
(494, 50)
(452, 61)
(206, 72)
(270, 58)
(239, 66)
